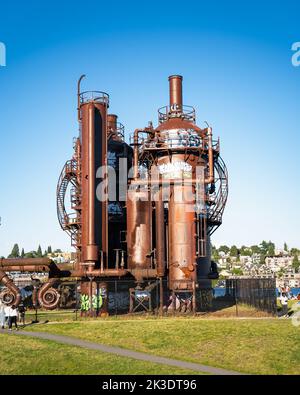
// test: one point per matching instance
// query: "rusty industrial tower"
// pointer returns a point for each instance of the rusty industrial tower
(140, 214)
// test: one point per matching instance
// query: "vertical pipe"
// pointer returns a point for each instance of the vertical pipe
(161, 292)
(160, 234)
(211, 177)
(135, 154)
(175, 87)
(91, 187)
(78, 97)
(194, 297)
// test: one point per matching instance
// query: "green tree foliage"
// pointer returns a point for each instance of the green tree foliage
(295, 251)
(15, 252)
(39, 252)
(285, 247)
(234, 251)
(255, 249)
(49, 250)
(30, 254)
(224, 249)
(296, 263)
(246, 251)
(237, 272)
(22, 253)
(267, 248)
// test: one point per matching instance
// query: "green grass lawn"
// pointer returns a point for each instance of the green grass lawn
(266, 346)
(23, 355)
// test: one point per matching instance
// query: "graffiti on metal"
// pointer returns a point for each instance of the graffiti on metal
(97, 301)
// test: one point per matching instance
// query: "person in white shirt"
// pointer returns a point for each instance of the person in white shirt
(6, 312)
(2, 315)
(284, 304)
(13, 315)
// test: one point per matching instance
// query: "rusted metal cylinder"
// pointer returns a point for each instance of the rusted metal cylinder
(160, 235)
(139, 229)
(94, 155)
(181, 239)
(112, 122)
(175, 87)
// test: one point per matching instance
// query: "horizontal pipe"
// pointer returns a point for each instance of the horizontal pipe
(143, 272)
(20, 268)
(99, 273)
(25, 262)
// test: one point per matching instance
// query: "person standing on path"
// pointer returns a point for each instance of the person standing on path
(2, 315)
(22, 311)
(13, 316)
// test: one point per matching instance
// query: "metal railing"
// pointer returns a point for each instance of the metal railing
(94, 96)
(185, 112)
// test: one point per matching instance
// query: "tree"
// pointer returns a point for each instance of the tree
(245, 251)
(30, 254)
(296, 263)
(22, 253)
(49, 250)
(58, 251)
(255, 249)
(224, 249)
(271, 248)
(39, 252)
(233, 251)
(267, 248)
(285, 247)
(295, 251)
(15, 252)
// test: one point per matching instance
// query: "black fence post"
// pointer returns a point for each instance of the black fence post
(116, 291)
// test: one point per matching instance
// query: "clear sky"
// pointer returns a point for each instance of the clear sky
(236, 61)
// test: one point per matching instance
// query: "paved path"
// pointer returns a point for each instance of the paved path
(124, 352)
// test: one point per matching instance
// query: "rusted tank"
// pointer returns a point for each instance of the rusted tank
(182, 240)
(139, 229)
(94, 215)
(179, 172)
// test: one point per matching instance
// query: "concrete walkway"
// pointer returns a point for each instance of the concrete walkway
(124, 352)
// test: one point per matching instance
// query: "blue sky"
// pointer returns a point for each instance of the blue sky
(236, 61)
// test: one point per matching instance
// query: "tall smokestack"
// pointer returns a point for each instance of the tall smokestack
(175, 85)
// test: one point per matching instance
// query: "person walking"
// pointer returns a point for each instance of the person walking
(13, 315)
(284, 304)
(2, 315)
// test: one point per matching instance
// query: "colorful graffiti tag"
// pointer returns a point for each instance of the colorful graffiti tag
(97, 301)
